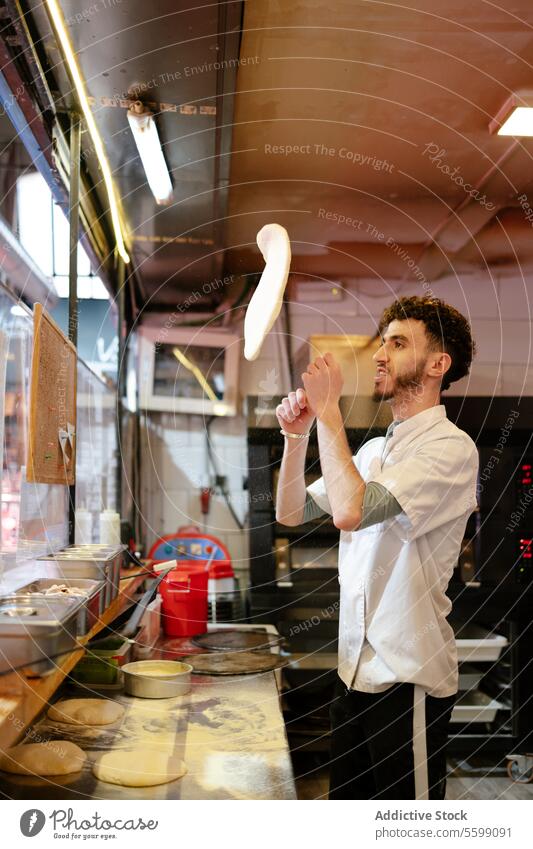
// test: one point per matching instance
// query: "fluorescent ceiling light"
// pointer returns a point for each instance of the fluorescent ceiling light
(146, 138)
(68, 54)
(515, 118)
(519, 122)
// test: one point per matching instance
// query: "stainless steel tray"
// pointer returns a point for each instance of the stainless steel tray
(90, 561)
(93, 593)
(114, 554)
(35, 630)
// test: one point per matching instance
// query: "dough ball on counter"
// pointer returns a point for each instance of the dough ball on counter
(57, 757)
(138, 768)
(86, 711)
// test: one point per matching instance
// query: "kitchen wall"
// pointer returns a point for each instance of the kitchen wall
(498, 307)
(174, 470)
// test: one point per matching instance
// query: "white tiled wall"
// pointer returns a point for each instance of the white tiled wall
(174, 470)
(498, 308)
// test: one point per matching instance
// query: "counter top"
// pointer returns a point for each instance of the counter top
(229, 730)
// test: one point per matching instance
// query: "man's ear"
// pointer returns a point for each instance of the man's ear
(439, 364)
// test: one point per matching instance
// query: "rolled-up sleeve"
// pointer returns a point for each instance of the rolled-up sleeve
(435, 485)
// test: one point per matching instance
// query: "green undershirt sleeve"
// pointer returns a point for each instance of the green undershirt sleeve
(378, 505)
(312, 510)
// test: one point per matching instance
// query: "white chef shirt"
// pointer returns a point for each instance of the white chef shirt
(372, 674)
(393, 575)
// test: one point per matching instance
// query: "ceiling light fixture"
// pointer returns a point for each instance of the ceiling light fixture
(58, 22)
(515, 118)
(146, 138)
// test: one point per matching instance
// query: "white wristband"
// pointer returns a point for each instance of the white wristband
(294, 435)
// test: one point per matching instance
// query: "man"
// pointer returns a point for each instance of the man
(401, 505)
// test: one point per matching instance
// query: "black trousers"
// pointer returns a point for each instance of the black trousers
(372, 743)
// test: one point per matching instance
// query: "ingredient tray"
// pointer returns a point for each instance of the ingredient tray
(91, 561)
(35, 630)
(93, 594)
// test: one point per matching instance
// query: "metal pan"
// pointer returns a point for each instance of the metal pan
(96, 563)
(34, 630)
(157, 679)
(93, 593)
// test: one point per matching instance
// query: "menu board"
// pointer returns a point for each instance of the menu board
(52, 428)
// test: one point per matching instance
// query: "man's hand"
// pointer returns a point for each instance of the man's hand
(323, 384)
(294, 414)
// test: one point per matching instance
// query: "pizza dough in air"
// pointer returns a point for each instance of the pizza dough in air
(57, 757)
(265, 306)
(86, 711)
(139, 768)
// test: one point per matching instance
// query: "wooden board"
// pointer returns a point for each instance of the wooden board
(52, 403)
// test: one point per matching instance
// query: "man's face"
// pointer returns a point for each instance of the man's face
(401, 359)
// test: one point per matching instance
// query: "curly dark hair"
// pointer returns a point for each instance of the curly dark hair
(446, 330)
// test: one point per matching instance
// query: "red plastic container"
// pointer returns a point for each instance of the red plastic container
(184, 595)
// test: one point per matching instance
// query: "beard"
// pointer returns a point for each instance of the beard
(403, 385)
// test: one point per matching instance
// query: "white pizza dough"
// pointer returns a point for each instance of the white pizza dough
(57, 757)
(86, 711)
(265, 305)
(139, 768)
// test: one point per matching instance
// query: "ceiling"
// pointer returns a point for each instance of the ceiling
(373, 111)
(386, 109)
(181, 62)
